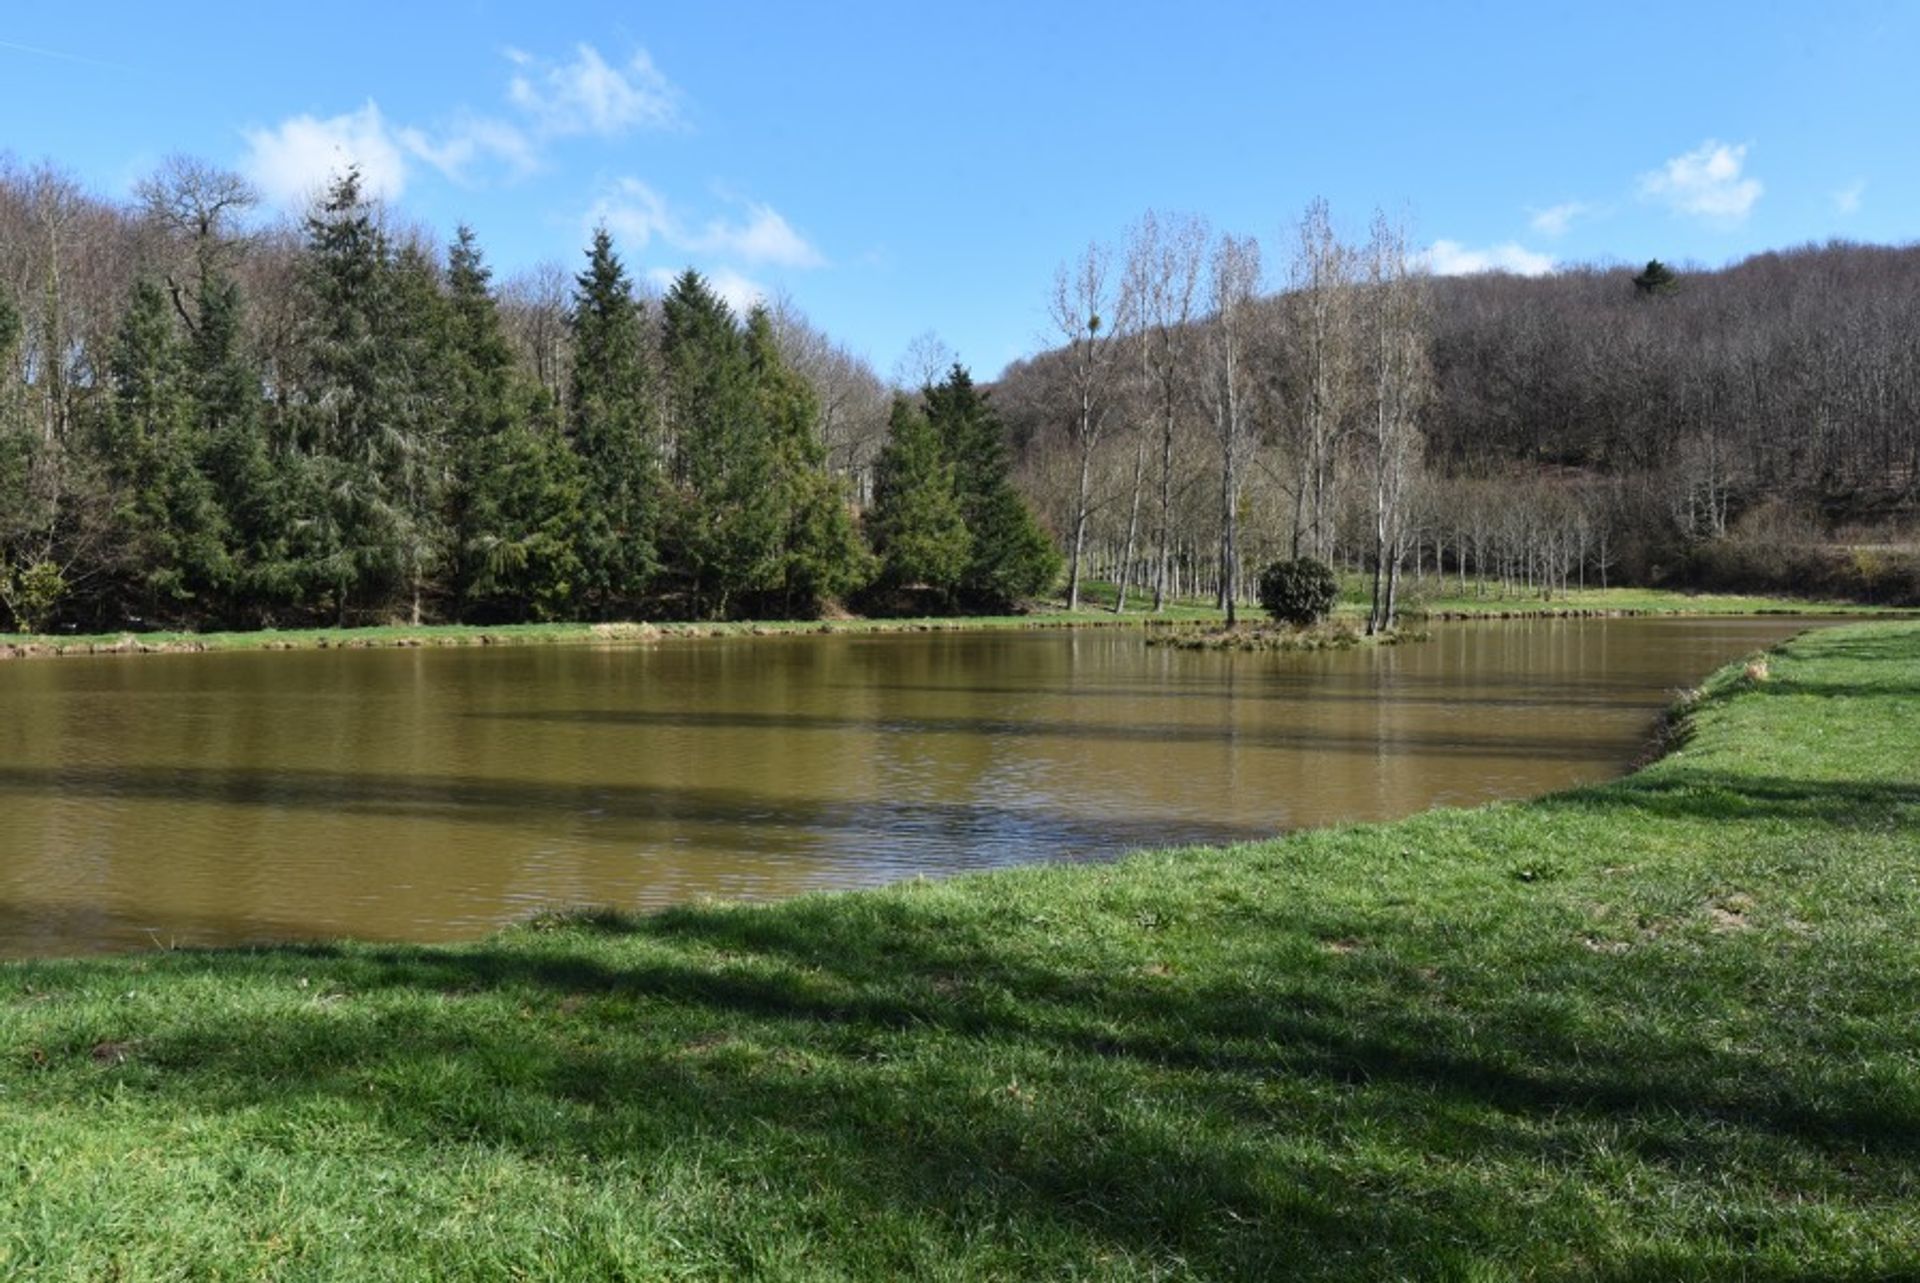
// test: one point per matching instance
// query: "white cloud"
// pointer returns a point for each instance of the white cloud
(739, 292)
(296, 160)
(1847, 199)
(454, 152)
(1555, 219)
(589, 95)
(638, 215)
(1451, 258)
(765, 237)
(1706, 182)
(634, 213)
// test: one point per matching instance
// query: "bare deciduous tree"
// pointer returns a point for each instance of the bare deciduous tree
(1165, 263)
(1399, 379)
(1091, 311)
(1232, 333)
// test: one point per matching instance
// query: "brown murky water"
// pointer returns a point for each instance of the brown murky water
(438, 794)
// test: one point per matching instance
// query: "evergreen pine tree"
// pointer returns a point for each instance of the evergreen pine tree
(354, 537)
(513, 494)
(611, 424)
(823, 556)
(252, 492)
(1012, 558)
(729, 523)
(421, 387)
(168, 526)
(916, 525)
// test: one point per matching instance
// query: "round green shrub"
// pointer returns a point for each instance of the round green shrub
(1299, 592)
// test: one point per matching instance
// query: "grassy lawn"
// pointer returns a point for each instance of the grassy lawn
(1665, 1028)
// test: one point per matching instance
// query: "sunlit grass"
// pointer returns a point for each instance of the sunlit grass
(1664, 1028)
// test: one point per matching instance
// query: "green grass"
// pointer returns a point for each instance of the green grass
(1048, 615)
(1095, 610)
(1443, 598)
(1665, 1028)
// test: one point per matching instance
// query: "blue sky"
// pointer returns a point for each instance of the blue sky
(898, 168)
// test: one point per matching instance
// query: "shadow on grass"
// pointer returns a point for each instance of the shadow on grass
(1695, 794)
(1272, 1114)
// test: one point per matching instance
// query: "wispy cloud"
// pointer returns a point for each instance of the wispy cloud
(589, 95)
(640, 216)
(1847, 199)
(61, 56)
(1708, 182)
(295, 160)
(1451, 258)
(739, 292)
(584, 95)
(1554, 220)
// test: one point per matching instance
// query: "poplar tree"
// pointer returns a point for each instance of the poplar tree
(611, 424)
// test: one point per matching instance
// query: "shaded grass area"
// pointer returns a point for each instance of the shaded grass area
(1665, 1028)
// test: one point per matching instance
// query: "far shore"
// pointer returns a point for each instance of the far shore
(1093, 613)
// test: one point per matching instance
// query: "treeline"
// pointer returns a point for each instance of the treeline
(1752, 428)
(204, 425)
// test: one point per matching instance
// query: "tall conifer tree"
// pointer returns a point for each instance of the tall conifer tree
(1011, 557)
(612, 425)
(823, 556)
(168, 527)
(916, 523)
(729, 519)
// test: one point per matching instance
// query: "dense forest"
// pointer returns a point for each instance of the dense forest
(211, 419)
(202, 423)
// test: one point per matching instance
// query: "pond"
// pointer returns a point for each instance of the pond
(439, 794)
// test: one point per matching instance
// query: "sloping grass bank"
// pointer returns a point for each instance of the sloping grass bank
(1666, 1028)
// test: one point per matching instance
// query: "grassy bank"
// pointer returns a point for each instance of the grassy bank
(1448, 602)
(1664, 1028)
(1050, 615)
(1095, 611)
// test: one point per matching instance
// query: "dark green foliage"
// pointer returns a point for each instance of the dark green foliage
(612, 425)
(362, 421)
(822, 558)
(729, 520)
(1300, 592)
(916, 524)
(168, 531)
(514, 489)
(367, 444)
(1656, 280)
(523, 519)
(1011, 558)
(251, 487)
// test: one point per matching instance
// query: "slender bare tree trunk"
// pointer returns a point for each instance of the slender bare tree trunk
(1133, 527)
